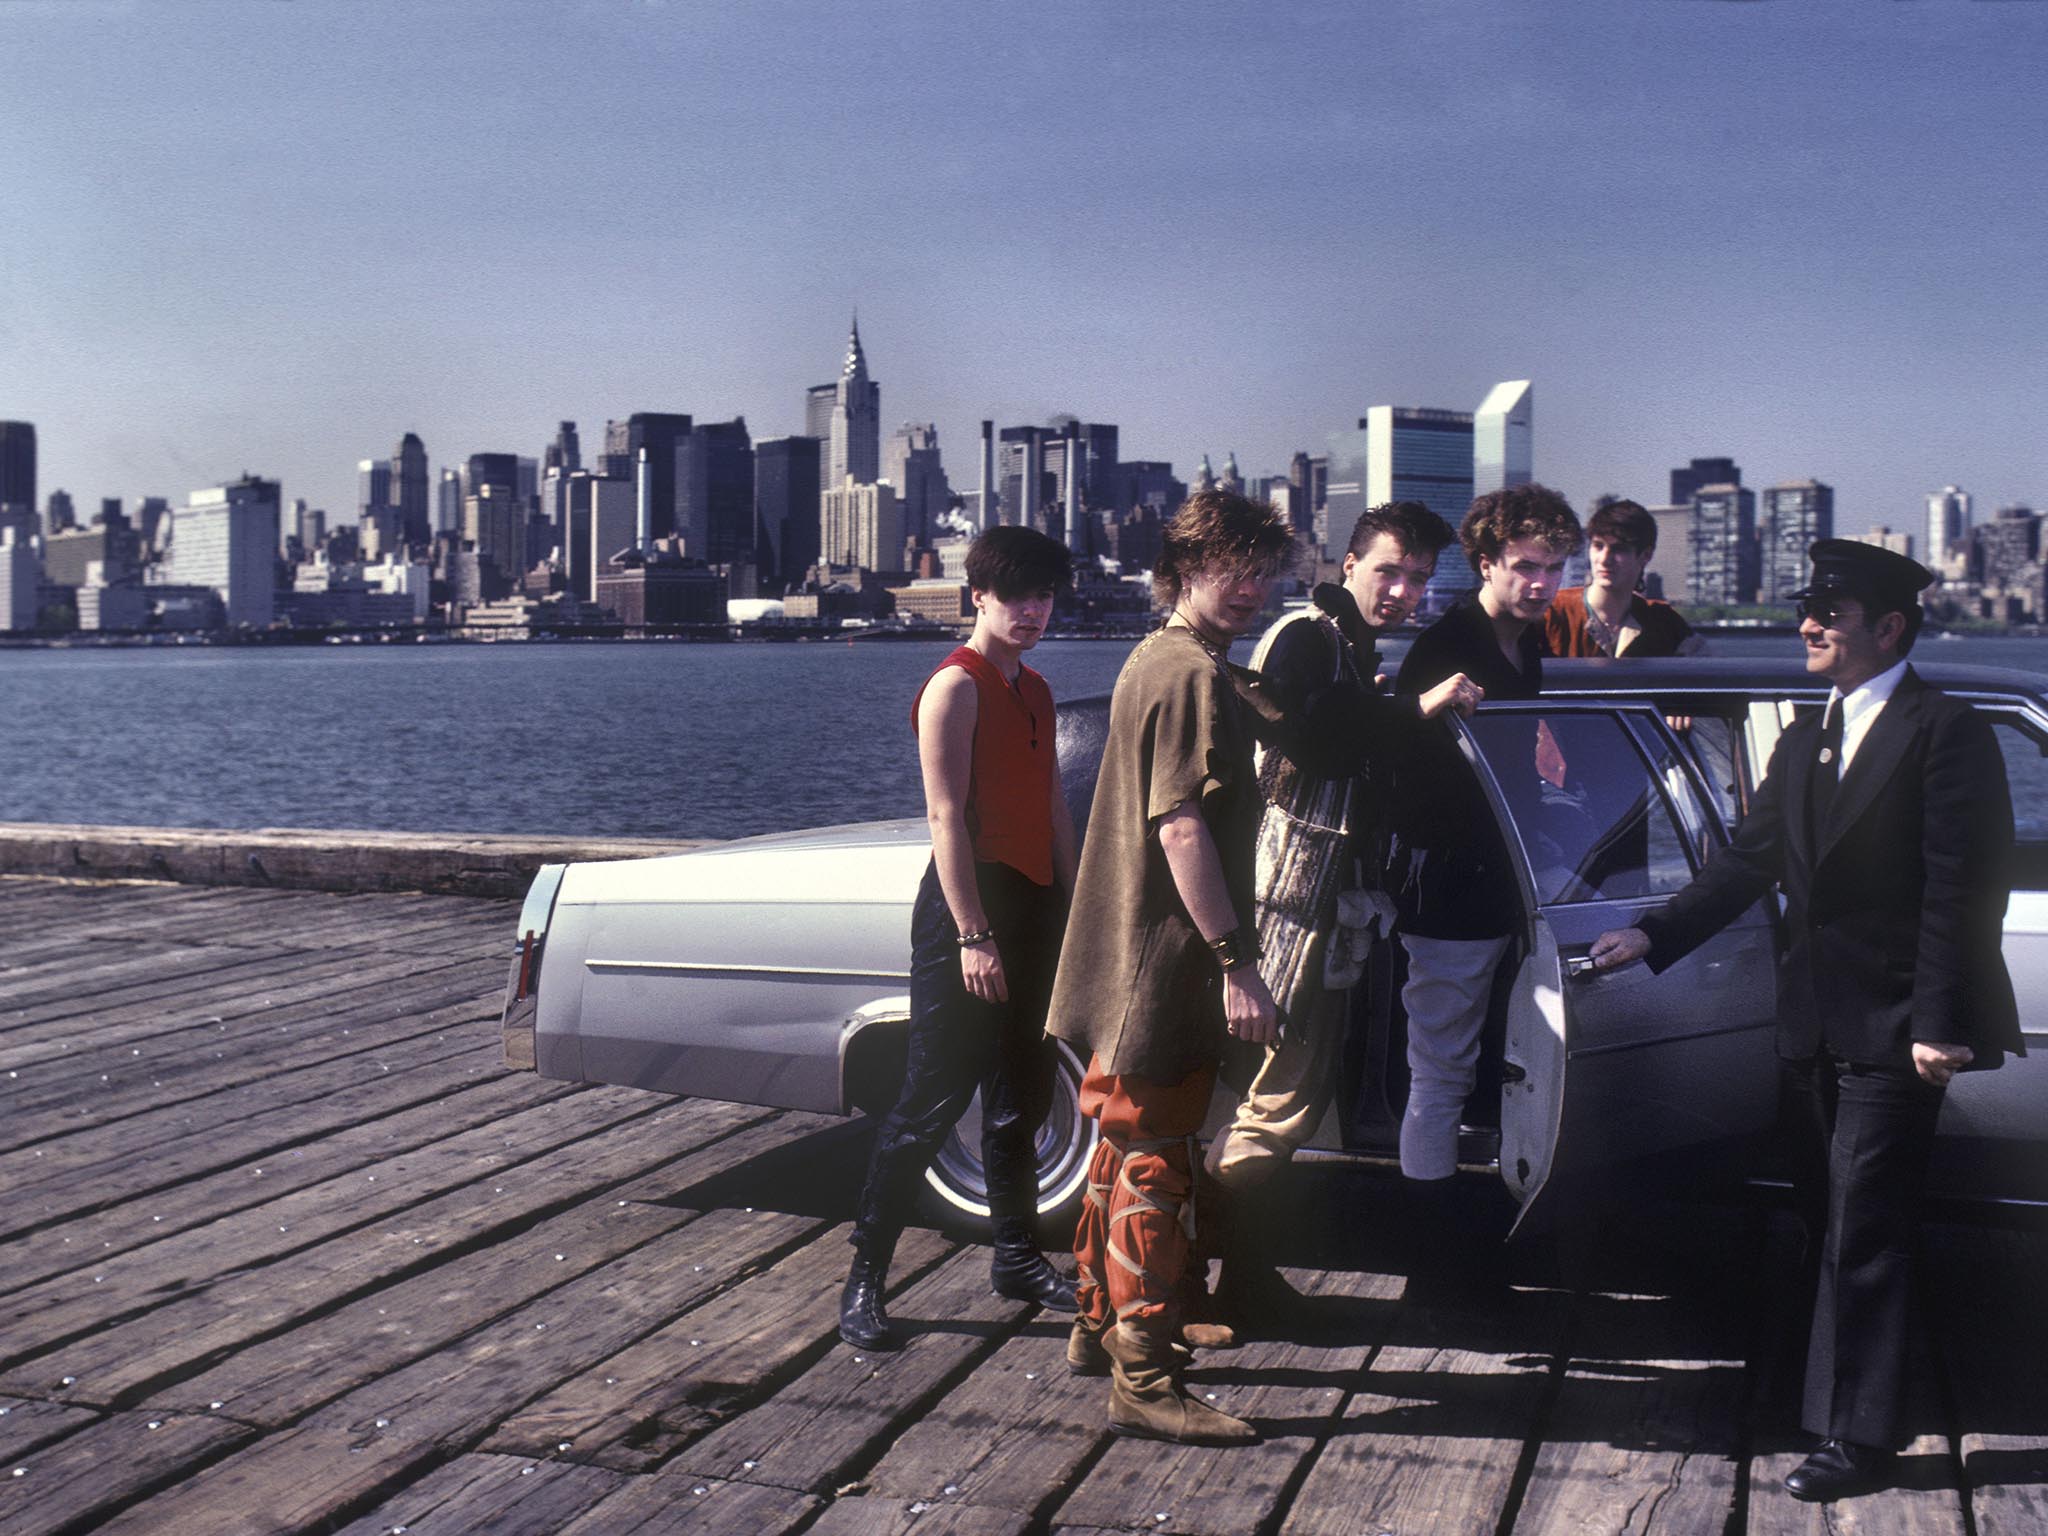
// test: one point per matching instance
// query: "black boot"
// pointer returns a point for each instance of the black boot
(863, 1321)
(1020, 1272)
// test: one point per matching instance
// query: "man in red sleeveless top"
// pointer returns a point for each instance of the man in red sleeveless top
(984, 933)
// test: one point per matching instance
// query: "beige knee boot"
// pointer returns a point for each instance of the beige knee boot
(1147, 1401)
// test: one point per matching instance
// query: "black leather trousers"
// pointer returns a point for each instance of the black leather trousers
(959, 1044)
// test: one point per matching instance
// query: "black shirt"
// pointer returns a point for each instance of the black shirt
(1457, 884)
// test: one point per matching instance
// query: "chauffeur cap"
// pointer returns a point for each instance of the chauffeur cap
(1880, 579)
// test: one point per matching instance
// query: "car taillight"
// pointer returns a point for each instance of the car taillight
(524, 989)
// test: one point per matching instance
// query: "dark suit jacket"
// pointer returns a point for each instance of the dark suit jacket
(1893, 926)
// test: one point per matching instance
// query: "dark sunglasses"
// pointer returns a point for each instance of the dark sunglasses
(1823, 608)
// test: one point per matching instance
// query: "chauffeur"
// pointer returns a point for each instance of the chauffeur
(1887, 824)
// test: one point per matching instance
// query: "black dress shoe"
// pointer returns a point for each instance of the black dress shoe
(863, 1322)
(1839, 1469)
(1020, 1272)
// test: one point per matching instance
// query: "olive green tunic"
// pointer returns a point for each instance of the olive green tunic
(1137, 987)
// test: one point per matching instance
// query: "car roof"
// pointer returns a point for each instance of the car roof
(1784, 677)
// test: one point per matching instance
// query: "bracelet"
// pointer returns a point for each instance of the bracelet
(1232, 952)
(980, 936)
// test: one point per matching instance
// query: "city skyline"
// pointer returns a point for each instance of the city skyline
(1237, 233)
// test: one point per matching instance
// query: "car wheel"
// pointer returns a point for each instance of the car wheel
(955, 1190)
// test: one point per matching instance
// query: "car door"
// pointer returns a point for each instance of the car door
(1604, 817)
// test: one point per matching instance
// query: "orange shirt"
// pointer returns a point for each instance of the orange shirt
(1009, 790)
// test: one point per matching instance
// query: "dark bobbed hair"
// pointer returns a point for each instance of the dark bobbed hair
(1409, 524)
(1219, 529)
(1533, 512)
(1627, 523)
(1010, 561)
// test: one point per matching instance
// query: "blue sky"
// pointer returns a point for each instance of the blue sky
(275, 236)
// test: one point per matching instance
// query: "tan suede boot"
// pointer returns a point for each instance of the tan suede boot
(1145, 1399)
(1086, 1355)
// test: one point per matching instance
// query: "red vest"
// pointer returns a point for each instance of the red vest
(1009, 790)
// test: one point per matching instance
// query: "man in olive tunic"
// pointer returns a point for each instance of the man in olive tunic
(1158, 964)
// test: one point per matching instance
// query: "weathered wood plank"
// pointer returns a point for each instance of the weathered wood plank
(659, 1506)
(26, 1424)
(502, 1495)
(106, 1465)
(177, 1156)
(898, 1517)
(1293, 1392)
(632, 1409)
(1431, 1439)
(300, 1480)
(844, 1411)
(1925, 1501)
(1011, 1435)
(1646, 1430)
(285, 1376)
(551, 1143)
(458, 1393)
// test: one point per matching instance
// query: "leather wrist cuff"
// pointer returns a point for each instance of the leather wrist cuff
(1234, 950)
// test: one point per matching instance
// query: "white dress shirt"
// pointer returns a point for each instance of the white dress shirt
(1860, 709)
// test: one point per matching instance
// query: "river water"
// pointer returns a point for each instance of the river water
(571, 739)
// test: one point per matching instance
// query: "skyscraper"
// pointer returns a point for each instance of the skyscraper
(1417, 453)
(786, 503)
(1795, 514)
(409, 491)
(715, 491)
(18, 464)
(1722, 561)
(860, 526)
(854, 442)
(1702, 472)
(1948, 524)
(1504, 438)
(1023, 490)
(818, 402)
(910, 463)
(658, 432)
(226, 538)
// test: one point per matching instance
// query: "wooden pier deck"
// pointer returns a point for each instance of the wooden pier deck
(284, 1248)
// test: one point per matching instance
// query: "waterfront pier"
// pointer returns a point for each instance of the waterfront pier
(286, 1248)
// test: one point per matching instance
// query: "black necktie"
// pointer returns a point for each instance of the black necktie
(1827, 770)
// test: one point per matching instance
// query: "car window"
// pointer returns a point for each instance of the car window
(1713, 741)
(1586, 804)
(2026, 771)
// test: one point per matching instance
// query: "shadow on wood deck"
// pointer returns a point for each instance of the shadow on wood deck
(285, 1248)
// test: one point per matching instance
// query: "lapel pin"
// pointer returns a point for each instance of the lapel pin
(1827, 754)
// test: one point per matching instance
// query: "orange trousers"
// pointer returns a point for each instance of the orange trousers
(1136, 1229)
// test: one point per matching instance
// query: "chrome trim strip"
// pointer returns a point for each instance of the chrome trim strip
(706, 968)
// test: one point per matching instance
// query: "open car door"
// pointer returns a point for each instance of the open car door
(1603, 819)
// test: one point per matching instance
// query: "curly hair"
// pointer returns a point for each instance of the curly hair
(1532, 512)
(1219, 529)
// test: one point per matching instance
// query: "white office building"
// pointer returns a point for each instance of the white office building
(226, 538)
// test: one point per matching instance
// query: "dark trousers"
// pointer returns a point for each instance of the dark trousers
(1867, 1134)
(958, 1044)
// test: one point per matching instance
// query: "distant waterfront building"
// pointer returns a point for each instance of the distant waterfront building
(715, 491)
(376, 517)
(1702, 472)
(409, 491)
(786, 506)
(61, 513)
(860, 526)
(448, 501)
(494, 520)
(2005, 559)
(152, 523)
(818, 402)
(1670, 574)
(561, 459)
(1022, 489)
(853, 448)
(602, 516)
(1948, 524)
(21, 577)
(661, 590)
(18, 464)
(910, 462)
(1148, 483)
(938, 601)
(659, 432)
(1795, 515)
(1722, 563)
(225, 538)
(22, 521)
(1504, 438)
(1884, 537)
(1344, 492)
(1417, 453)
(102, 555)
